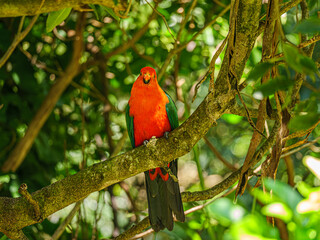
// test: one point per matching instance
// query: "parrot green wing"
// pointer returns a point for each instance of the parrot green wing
(172, 113)
(129, 121)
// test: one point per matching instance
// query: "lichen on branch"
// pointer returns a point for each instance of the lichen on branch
(16, 8)
(16, 213)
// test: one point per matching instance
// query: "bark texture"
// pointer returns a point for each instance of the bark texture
(17, 213)
(15, 8)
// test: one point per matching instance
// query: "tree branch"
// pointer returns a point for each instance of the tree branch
(184, 45)
(18, 154)
(66, 221)
(22, 148)
(218, 155)
(211, 192)
(259, 127)
(16, 213)
(133, 40)
(18, 38)
(15, 8)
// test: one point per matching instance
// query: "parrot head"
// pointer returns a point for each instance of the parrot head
(148, 75)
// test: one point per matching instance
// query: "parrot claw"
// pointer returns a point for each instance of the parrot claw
(166, 135)
(145, 142)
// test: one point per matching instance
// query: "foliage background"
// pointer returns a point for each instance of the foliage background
(87, 124)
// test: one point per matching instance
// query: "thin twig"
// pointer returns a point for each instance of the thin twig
(301, 133)
(302, 147)
(184, 45)
(219, 3)
(146, 57)
(21, 24)
(23, 190)
(83, 164)
(248, 116)
(164, 19)
(224, 11)
(185, 20)
(285, 8)
(211, 67)
(18, 38)
(134, 209)
(34, 61)
(128, 8)
(302, 45)
(308, 85)
(132, 41)
(120, 144)
(219, 156)
(97, 217)
(66, 221)
(87, 91)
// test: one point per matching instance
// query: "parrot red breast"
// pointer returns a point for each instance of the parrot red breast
(152, 112)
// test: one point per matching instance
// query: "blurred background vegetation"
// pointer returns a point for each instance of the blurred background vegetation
(87, 124)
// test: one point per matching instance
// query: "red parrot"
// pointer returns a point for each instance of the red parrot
(151, 112)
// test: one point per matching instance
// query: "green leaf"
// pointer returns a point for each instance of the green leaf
(57, 17)
(259, 70)
(111, 12)
(4, 237)
(194, 224)
(226, 212)
(291, 56)
(311, 25)
(308, 105)
(284, 192)
(99, 11)
(312, 3)
(305, 189)
(264, 197)
(253, 226)
(279, 83)
(304, 121)
(298, 61)
(231, 118)
(308, 65)
(95, 10)
(278, 210)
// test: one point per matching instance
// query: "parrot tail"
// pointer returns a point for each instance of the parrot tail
(164, 197)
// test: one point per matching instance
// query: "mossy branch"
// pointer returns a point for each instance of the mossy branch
(211, 192)
(16, 8)
(17, 213)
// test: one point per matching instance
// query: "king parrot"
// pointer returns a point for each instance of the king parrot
(152, 112)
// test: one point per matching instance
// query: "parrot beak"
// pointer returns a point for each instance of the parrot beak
(146, 78)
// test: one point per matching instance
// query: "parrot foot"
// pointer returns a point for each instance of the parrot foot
(145, 142)
(151, 142)
(168, 170)
(166, 135)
